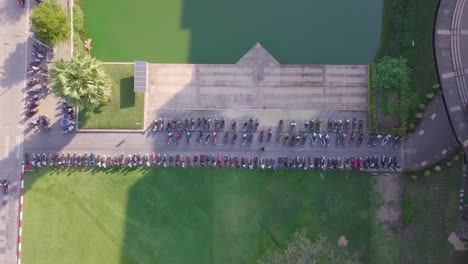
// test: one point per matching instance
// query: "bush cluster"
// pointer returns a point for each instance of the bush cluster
(408, 211)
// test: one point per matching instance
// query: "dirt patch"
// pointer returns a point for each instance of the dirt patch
(386, 121)
(389, 186)
(388, 215)
(456, 242)
(342, 242)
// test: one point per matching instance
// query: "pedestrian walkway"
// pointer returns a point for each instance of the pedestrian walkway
(433, 139)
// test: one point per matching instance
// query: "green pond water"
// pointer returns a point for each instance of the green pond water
(222, 31)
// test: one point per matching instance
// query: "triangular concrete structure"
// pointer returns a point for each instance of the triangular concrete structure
(258, 56)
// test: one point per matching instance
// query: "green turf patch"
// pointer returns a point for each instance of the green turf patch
(407, 32)
(188, 216)
(126, 109)
(435, 199)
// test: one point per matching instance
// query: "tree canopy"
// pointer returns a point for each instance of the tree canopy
(391, 74)
(82, 81)
(303, 250)
(50, 22)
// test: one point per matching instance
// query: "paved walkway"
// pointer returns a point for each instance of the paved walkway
(433, 139)
(13, 40)
(451, 40)
(258, 81)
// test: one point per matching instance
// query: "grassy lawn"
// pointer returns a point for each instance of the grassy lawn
(435, 200)
(400, 30)
(126, 108)
(189, 216)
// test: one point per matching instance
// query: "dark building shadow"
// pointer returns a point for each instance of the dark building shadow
(127, 96)
(9, 77)
(11, 12)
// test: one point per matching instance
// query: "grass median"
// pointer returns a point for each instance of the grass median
(126, 109)
(189, 215)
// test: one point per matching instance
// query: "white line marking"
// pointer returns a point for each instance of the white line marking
(421, 132)
(7, 146)
(443, 32)
(433, 116)
(444, 152)
(455, 108)
(465, 143)
(423, 163)
(448, 75)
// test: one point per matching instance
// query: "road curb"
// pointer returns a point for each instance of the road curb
(110, 131)
(20, 222)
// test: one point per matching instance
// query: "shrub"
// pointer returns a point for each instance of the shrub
(436, 86)
(372, 101)
(408, 211)
(429, 95)
(449, 164)
(50, 22)
(427, 173)
(414, 177)
(456, 158)
(412, 126)
(391, 74)
(422, 106)
(78, 18)
(438, 168)
(419, 115)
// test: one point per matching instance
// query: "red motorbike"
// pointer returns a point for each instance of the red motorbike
(31, 112)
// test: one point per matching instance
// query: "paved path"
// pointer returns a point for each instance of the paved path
(433, 139)
(13, 40)
(451, 40)
(258, 81)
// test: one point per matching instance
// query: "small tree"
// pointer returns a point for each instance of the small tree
(419, 115)
(429, 95)
(422, 106)
(50, 22)
(82, 81)
(392, 74)
(438, 168)
(412, 126)
(427, 173)
(414, 177)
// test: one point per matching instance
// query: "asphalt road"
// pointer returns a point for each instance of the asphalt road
(450, 42)
(13, 40)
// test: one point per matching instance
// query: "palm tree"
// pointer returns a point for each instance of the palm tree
(82, 81)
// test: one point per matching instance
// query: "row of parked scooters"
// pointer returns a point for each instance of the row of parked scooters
(347, 132)
(36, 67)
(205, 160)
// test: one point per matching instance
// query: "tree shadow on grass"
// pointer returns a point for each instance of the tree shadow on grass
(127, 95)
(84, 115)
